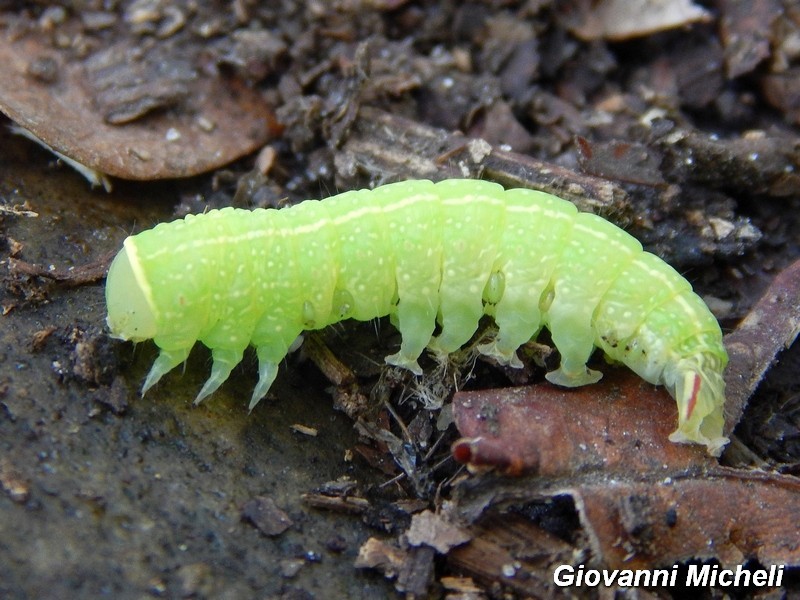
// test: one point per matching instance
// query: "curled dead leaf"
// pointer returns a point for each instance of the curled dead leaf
(210, 122)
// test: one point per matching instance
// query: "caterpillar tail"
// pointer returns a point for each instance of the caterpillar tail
(700, 394)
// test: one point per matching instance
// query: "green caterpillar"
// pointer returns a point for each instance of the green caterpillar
(421, 252)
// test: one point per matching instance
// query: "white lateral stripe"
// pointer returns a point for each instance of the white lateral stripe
(141, 279)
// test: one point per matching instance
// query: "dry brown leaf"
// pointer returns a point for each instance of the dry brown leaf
(619, 425)
(642, 501)
(771, 326)
(211, 121)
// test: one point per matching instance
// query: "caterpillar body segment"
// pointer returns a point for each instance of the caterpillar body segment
(422, 253)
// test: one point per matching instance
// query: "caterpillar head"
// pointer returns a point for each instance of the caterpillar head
(697, 385)
(130, 308)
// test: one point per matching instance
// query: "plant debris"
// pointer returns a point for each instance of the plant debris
(262, 512)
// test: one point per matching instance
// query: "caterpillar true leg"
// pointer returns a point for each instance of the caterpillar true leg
(224, 361)
(273, 340)
(166, 361)
(267, 371)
